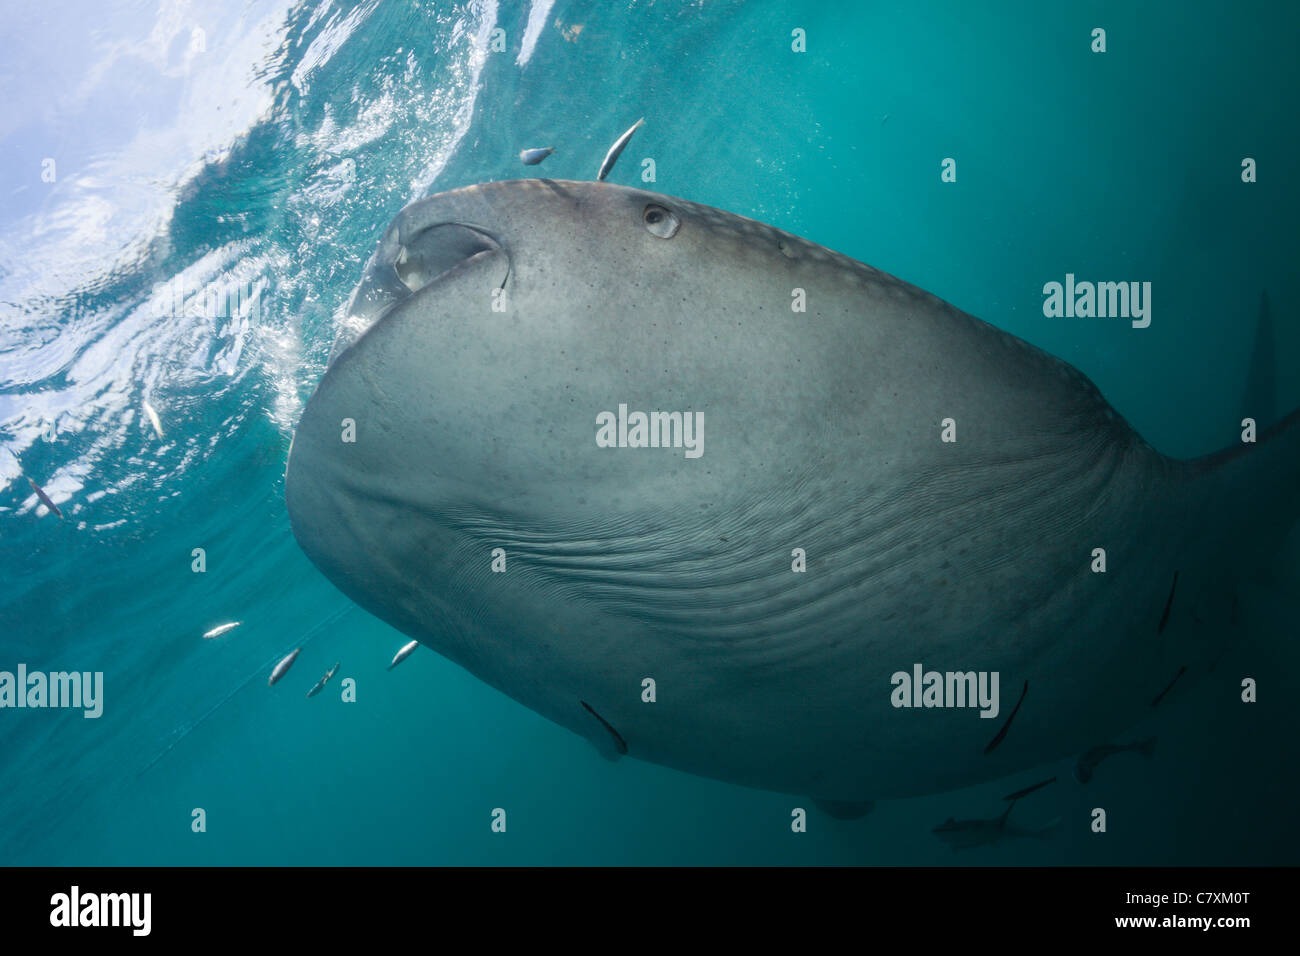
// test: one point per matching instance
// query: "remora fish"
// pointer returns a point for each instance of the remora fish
(1088, 762)
(222, 629)
(824, 434)
(282, 668)
(406, 651)
(617, 149)
(531, 157)
(964, 834)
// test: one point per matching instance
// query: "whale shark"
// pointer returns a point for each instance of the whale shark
(884, 481)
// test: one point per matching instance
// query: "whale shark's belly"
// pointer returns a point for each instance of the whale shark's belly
(768, 676)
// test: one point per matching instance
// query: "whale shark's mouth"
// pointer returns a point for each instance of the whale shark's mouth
(433, 252)
(411, 257)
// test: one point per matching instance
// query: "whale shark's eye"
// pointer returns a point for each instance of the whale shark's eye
(660, 222)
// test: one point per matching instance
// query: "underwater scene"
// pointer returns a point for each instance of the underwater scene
(648, 433)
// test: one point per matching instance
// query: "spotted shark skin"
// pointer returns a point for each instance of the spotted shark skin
(495, 322)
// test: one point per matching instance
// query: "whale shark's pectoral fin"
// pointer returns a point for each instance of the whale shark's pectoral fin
(845, 809)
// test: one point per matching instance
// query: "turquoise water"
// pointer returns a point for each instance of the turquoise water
(270, 150)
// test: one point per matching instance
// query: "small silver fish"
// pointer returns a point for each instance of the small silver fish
(1088, 762)
(614, 151)
(320, 684)
(221, 629)
(282, 668)
(531, 157)
(406, 651)
(45, 499)
(153, 419)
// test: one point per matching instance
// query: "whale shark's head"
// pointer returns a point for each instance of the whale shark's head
(514, 232)
(493, 325)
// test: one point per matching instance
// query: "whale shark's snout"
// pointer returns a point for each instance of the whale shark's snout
(427, 241)
(550, 228)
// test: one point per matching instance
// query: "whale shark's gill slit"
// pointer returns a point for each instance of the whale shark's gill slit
(619, 742)
(1169, 606)
(1007, 726)
(1170, 686)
